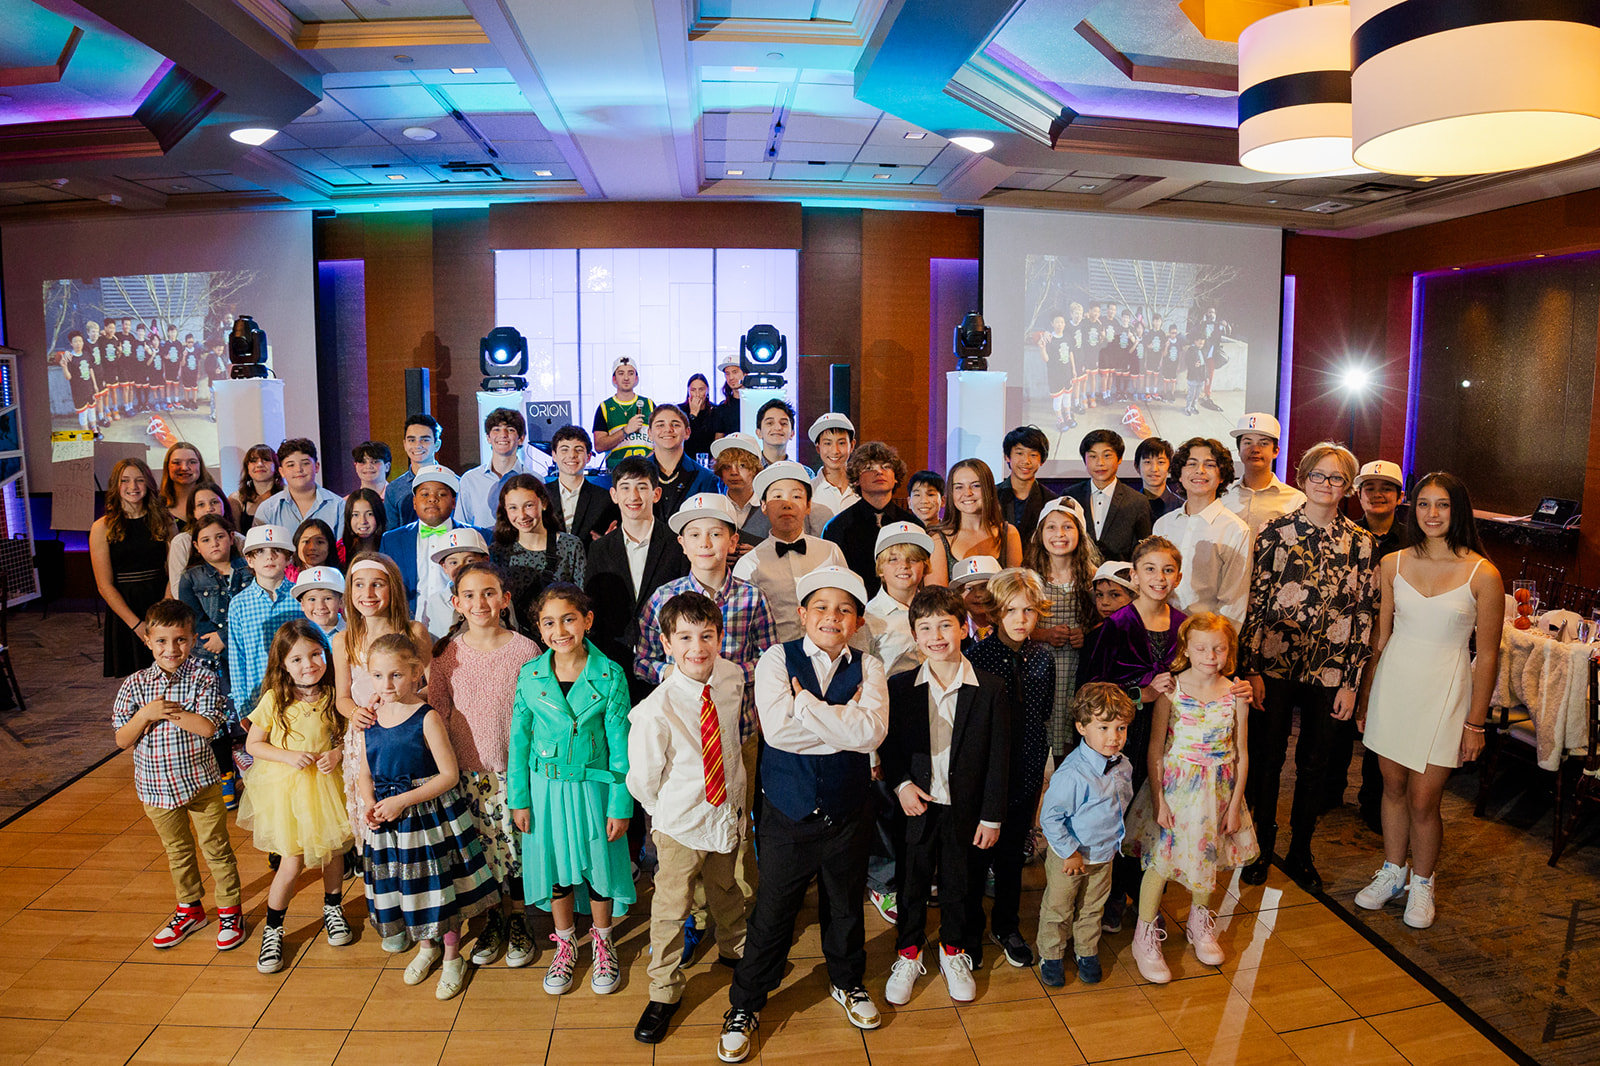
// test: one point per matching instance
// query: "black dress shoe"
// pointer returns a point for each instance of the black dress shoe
(1256, 872)
(652, 1027)
(1304, 872)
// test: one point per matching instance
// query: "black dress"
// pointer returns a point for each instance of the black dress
(702, 428)
(139, 571)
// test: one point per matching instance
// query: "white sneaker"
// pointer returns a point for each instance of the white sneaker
(1387, 885)
(606, 975)
(858, 1007)
(957, 971)
(1147, 953)
(734, 1043)
(1419, 902)
(1201, 929)
(902, 977)
(558, 978)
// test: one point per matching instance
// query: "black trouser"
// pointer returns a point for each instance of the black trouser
(1370, 797)
(639, 824)
(1269, 745)
(1341, 749)
(888, 837)
(944, 851)
(792, 853)
(1007, 857)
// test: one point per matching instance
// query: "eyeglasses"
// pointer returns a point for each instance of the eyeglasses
(1317, 477)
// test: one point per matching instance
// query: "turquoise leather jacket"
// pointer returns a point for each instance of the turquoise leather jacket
(580, 736)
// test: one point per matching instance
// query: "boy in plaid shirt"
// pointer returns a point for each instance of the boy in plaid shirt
(167, 714)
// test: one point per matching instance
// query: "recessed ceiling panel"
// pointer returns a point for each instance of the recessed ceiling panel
(737, 126)
(320, 10)
(329, 135)
(837, 100)
(366, 156)
(795, 10)
(363, 78)
(528, 151)
(906, 153)
(393, 101)
(491, 97)
(510, 127)
(873, 175)
(807, 151)
(737, 152)
(806, 127)
(809, 172)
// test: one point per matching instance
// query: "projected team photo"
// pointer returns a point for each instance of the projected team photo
(133, 358)
(1143, 347)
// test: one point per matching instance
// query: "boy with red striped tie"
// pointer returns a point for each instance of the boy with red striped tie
(684, 768)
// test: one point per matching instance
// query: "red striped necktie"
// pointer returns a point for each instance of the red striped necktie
(711, 750)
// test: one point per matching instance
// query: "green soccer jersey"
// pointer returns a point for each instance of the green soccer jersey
(611, 416)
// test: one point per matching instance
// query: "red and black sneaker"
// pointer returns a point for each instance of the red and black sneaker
(185, 920)
(230, 927)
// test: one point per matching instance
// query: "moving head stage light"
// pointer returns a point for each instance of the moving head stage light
(503, 358)
(974, 341)
(763, 356)
(247, 349)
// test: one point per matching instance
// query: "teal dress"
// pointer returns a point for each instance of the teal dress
(567, 765)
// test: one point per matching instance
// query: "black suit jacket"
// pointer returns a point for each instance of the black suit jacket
(1127, 522)
(980, 748)
(594, 514)
(610, 587)
(1038, 496)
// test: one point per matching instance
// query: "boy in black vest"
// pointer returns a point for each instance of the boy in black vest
(823, 709)
(946, 757)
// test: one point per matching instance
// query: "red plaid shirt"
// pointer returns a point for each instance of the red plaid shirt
(171, 764)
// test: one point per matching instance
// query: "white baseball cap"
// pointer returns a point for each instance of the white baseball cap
(1066, 505)
(973, 568)
(704, 505)
(1263, 424)
(459, 539)
(438, 475)
(318, 577)
(902, 533)
(783, 470)
(624, 360)
(280, 537)
(736, 440)
(831, 577)
(1381, 470)
(731, 359)
(831, 420)
(1113, 570)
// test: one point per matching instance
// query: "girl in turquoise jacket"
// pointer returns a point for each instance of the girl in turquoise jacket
(567, 765)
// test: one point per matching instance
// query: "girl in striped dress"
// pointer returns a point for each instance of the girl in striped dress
(424, 867)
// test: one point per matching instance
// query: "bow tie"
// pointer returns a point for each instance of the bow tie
(1112, 762)
(434, 531)
(784, 549)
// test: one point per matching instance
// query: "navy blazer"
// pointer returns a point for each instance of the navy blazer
(401, 546)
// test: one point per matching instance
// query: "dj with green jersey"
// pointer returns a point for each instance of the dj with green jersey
(622, 422)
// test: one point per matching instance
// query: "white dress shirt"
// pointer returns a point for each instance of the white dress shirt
(809, 725)
(638, 553)
(569, 503)
(776, 577)
(889, 625)
(1100, 505)
(833, 498)
(434, 609)
(666, 770)
(942, 726)
(1216, 560)
(1259, 506)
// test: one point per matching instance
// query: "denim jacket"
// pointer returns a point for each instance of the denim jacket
(580, 736)
(208, 593)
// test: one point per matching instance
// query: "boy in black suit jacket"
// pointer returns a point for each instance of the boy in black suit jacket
(946, 756)
(1122, 517)
(587, 512)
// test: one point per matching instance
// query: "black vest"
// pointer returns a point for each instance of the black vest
(800, 785)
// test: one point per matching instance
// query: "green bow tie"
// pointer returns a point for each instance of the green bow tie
(434, 531)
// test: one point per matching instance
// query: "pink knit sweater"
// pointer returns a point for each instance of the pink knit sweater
(473, 692)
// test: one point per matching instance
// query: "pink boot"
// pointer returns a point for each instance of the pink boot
(1201, 930)
(1147, 953)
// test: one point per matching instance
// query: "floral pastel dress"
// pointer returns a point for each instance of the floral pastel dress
(1197, 777)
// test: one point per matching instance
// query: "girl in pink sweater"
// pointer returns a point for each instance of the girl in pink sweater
(472, 684)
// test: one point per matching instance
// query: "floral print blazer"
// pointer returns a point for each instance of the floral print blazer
(1313, 602)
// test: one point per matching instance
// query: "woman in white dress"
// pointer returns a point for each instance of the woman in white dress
(1424, 715)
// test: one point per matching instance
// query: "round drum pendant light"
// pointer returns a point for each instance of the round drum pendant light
(1294, 92)
(1474, 86)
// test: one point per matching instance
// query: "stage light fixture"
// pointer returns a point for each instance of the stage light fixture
(503, 358)
(1356, 379)
(973, 343)
(247, 349)
(763, 356)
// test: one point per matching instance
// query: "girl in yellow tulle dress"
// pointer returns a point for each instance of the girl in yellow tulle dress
(294, 793)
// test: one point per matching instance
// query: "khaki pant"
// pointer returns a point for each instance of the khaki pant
(1080, 900)
(744, 868)
(210, 826)
(681, 871)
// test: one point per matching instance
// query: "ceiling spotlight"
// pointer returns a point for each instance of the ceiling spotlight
(764, 356)
(180, 188)
(880, 177)
(253, 135)
(1191, 96)
(463, 70)
(503, 359)
(915, 135)
(420, 133)
(1466, 384)
(734, 173)
(973, 144)
(1086, 188)
(1357, 378)
(403, 59)
(774, 55)
(541, 173)
(1538, 255)
(395, 177)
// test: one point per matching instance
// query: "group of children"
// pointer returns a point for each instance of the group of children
(1094, 358)
(486, 773)
(116, 374)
